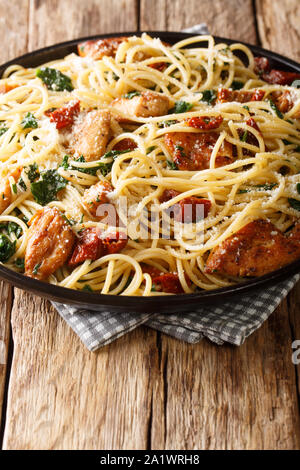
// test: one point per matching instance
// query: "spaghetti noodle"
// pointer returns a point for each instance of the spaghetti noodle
(156, 126)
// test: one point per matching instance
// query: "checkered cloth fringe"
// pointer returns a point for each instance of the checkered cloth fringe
(232, 321)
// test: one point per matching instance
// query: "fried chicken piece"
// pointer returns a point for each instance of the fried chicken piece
(100, 47)
(95, 196)
(146, 104)
(50, 242)
(90, 135)
(192, 151)
(256, 249)
(285, 100)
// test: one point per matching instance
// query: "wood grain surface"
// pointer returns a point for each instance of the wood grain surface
(146, 390)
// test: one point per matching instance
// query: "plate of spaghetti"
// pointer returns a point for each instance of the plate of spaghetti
(149, 165)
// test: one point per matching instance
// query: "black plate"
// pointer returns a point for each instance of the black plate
(162, 304)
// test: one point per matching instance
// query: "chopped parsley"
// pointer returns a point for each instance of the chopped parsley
(32, 172)
(45, 190)
(69, 221)
(150, 149)
(294, 203)
(167, 123)
(244, 136)
(54, 79)
(29, 122)
(181, 107)
(22, 184)
(14, 188)
(298, 188)
(131, 95)
(3, 130)
(237, 85)
(259, 187)
(20, 263)
(209, 96)
(274, 107)
(87, 288)
(180, 149)
(36, 268)
(105, 168)
(171, 165)
(7, 248)
(246, 107)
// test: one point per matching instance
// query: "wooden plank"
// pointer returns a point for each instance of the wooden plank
(61, 396)
(53, 21)
(5, 309)
(14, 34)
(138, 392)
(294, 309)
(64, 397)
(278, 26)
(236, 20)
(223, 398)
(230, 398)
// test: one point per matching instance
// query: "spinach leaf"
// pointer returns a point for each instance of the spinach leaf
(45, 190)
(29, 122)
(54, 79)
(130, 95)
(209, 96)
(181, 107)
(87, 288)
(32, 171)
(105, 168)
(237, 85)
(7, 248)
(294, 203)
(12, 227)
(22, 184)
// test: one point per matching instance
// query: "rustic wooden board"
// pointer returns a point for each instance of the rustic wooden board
(235, 21)
(229, 398)
(278, 26)
(13, 33)
(147, 390)
(224, 398)
(62, 396)
(53, 21)
(284, 19)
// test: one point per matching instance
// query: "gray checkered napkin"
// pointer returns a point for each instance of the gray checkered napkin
(231, 321)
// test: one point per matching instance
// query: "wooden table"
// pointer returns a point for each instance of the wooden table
(146, 390)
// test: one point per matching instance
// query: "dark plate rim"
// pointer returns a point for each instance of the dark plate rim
(156, 303)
